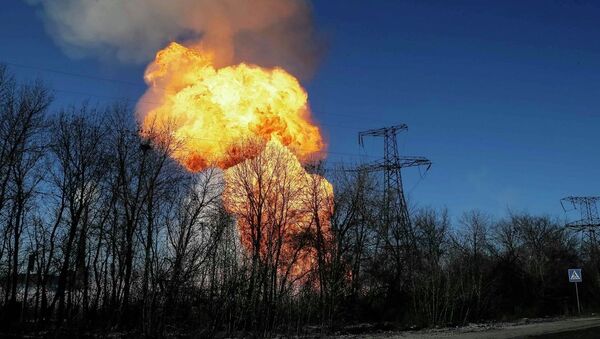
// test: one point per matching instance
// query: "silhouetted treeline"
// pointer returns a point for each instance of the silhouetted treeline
(101, 231)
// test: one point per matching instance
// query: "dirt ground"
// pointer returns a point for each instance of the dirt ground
(588, 327)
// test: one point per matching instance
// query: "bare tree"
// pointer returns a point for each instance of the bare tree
(471, 246)
(191, 233)
(432, 296)
(22, 117)
(78, 145)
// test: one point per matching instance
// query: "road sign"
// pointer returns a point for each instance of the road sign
(575, 275)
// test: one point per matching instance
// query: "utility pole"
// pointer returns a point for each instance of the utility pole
(589, 220)
(395, 207)
(588, 223)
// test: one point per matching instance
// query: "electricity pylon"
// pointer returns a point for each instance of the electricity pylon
(396, 210)
(588, 208)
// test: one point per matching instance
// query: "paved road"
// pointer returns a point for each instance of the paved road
(564, 328)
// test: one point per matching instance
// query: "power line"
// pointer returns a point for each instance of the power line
(72, 74)
(134, 84)
(326, 152)
(124, 82)
(87, 94)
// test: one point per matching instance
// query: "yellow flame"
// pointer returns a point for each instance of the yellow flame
(208, 110)
(254, 123)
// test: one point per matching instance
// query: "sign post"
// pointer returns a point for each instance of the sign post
(576, 277)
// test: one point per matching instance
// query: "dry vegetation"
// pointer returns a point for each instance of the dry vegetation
(101, 231)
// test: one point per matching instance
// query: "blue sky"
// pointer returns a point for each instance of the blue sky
(502, 96)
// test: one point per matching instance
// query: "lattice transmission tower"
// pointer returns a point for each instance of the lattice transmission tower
(396, 209)
(588, 209)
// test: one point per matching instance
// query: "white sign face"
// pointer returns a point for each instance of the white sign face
(575, 275)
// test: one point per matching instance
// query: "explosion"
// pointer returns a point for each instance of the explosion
(255, 124)
(279, 208)
(207, 111)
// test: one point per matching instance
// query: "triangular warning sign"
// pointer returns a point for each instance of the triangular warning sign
(575, 276)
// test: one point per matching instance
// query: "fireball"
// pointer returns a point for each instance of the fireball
(208, 110)
(255, 124)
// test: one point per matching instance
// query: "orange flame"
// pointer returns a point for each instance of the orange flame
(281, 210)
(254, 123)
(208, 110)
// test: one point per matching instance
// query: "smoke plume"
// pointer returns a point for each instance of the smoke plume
(263, 32)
